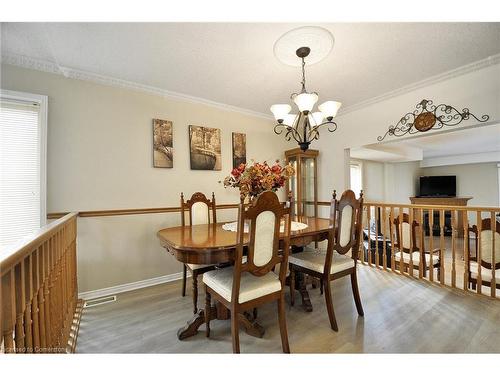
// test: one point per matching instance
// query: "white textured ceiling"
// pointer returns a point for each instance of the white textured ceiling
(233, 63)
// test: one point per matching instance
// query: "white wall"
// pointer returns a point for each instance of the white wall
(477, 90)
(100, 157)
(479, 181)
(389, 182)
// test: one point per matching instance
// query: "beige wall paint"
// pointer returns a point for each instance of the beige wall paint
(100, 157)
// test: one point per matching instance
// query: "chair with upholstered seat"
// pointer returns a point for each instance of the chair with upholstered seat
(344, 236)
(245, 286)
(486, 255)
(402, 245)
(198, 211)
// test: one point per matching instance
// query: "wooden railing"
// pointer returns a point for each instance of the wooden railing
(444, 244)
(38, 293)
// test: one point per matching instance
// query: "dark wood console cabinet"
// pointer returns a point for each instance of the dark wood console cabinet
(442, 201)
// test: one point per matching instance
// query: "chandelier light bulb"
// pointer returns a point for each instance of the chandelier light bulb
(280, 111)
(306, 101)
(329, 108)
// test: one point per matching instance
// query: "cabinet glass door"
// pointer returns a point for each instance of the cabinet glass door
(307, 186)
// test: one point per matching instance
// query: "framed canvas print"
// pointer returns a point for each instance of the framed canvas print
(162, 144)
(239, 149)
(205, 148)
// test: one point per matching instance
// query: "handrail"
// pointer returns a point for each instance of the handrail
(23, 249)
(40, 310)
(435, 206)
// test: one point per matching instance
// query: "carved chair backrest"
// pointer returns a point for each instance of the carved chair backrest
(198, 209)
(403, 233)
(264, 217)
(486, 243)
(346, 221)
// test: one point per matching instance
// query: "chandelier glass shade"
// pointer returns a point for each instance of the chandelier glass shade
(304, 126)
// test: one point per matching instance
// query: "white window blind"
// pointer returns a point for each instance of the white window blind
(356, 178)
(21, 156)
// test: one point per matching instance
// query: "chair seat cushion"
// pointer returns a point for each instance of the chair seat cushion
(315, 261)
(199, 266)
(251, 287)
(416, 258)
(485, 273)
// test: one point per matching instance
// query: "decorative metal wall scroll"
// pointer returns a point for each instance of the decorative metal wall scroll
(428, 116)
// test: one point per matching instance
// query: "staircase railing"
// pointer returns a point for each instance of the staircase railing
(39, 302)
(443, 245)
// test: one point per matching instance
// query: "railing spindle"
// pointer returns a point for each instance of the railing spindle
(393, 260)
(454, 230)
(377, 231)
(441, 246)
(8, 310)
(493, 282)
(479, 255)
(400, 241)
(28, 276)
(368, 213)
(422, 245)
(466, 250)
(410, 262)
(431, 243)
(35, 308)
(20, 306)
(384, 235)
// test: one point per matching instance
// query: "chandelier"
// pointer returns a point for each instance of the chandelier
(304, 126)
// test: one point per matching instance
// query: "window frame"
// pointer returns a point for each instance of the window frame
(359, 164)
(42, 101)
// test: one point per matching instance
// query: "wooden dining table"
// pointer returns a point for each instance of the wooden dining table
(211, 244)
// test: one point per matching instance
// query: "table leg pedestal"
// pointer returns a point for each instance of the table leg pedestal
(219, 312)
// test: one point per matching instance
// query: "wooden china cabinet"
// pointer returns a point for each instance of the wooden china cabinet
(304, 184)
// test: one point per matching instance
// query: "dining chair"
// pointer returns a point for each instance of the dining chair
(198, 211)
(405, 248)
(245, 286)
(344, 236)
(485, 239)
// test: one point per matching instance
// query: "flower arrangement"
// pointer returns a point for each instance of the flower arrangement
(254, 179)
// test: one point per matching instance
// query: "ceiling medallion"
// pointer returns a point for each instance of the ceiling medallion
(304, 126)
(428, 116)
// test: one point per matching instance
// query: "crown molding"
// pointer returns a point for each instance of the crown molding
(469, 68)
(50, 67)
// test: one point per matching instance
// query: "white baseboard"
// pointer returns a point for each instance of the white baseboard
(130, 286)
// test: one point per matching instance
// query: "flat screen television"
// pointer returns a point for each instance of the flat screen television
(438, 186)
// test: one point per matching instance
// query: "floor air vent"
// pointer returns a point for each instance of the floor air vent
(99, 301)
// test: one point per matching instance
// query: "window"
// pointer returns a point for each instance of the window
(356, 177)
(22, 165)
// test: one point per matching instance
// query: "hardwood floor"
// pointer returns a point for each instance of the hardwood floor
(401, 316)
